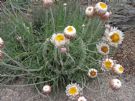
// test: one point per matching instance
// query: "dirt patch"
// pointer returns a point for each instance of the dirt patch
(96, 90)
(126, 53)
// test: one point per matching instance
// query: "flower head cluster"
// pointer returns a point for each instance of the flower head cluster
(112, 38)
(61, 40)
(100, 9)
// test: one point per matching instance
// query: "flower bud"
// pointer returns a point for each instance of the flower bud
(65, 4)
(70, 32)
(106, 16)
(18, 38)
(1, 43)
(89, 11)
(63, 50)
(47, 3)
(47, 89)
(115, 84)
(82, 98)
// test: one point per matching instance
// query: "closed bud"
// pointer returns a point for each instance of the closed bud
(106, 16)
(63, 50)
(47, 3)
(1, 43)
(47, 89)
(89, 11)
(115, 84)
(18, 38)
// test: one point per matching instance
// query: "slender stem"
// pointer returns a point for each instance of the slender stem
(53, 22)
(17, 63)
(65, 13)
(21, 42)
(32, 84)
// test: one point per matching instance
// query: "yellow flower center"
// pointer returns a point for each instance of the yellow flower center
(93, 73)
(103, 5)
(108, 64)
(115, 37)
(121, 69)
(59, 37)
(73, 91)
(104, 49)
(70, 29)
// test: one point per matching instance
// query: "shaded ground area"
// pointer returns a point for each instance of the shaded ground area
(124, 18)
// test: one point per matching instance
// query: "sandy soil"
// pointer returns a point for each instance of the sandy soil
(93, 92)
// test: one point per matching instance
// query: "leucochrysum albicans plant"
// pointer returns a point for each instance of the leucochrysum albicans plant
(58, 45)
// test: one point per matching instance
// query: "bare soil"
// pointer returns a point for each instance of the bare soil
(97, 90)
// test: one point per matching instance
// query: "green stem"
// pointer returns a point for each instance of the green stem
(53, 22)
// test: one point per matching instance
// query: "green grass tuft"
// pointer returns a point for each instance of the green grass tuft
(33, 57)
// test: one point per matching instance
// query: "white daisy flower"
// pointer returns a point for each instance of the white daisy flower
(103, 48)
(82, 98)
(46, 89)
(92, 73)
(73, 89)
(115, 84)
(59, 40)
(115, 37)
(119, 69)
(107, 64)
(70, 32)
(101, 8)
(89, 11)
(1, 43)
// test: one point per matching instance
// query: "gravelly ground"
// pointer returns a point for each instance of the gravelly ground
(125, 55)
(94, 92)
